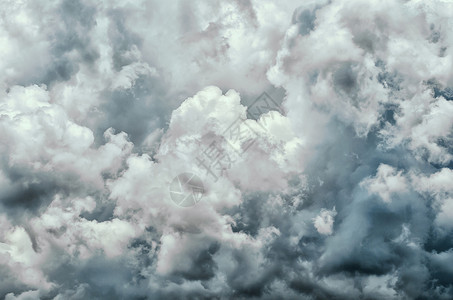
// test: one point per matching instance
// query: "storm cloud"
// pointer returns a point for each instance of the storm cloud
(320, 135)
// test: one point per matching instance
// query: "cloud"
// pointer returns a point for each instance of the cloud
(324, 221)
(341, 190)
(387, 183)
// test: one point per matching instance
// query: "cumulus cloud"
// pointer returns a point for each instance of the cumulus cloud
(324, 221)
(321, 132)
(387, 183)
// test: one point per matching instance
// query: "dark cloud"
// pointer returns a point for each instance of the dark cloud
(305, 19)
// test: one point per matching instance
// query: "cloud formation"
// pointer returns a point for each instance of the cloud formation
(340, 188)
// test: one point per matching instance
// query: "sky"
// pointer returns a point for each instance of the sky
(226, 149)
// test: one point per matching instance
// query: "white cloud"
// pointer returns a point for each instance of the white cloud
(387, 183)
(422, 123)
(324, 221)
(438, 185)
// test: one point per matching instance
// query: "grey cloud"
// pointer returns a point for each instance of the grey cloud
(366, 135)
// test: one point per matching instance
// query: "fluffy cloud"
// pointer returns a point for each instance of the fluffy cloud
(324, 221)
(104, 104)
(387, 183)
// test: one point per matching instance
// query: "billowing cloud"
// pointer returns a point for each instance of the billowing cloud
(318, 133)
(324, 221)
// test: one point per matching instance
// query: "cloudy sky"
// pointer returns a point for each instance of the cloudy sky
(221, 149)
